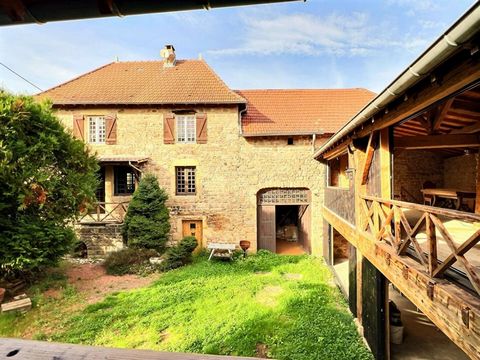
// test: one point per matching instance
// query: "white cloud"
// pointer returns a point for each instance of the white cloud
(305, 34)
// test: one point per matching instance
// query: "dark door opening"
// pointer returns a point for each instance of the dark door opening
(287, 230)
(100, 193)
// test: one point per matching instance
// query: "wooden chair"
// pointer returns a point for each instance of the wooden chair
(428, 199)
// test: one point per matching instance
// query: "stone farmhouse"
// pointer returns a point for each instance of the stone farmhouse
(237, 165)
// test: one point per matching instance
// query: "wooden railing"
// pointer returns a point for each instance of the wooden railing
(386, 221)
(106, 212)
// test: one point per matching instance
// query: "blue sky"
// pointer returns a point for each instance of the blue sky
(313, 44)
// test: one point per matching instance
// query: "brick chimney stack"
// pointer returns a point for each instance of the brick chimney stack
(168, 55)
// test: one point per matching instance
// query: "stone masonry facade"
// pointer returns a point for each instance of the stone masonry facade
(230, 169)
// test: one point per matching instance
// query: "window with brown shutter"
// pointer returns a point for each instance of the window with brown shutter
(169, 129)
(111, 125)
(201, 128)
(78, 126)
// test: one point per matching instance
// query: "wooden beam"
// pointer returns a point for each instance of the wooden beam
(442, 112)
(437, 141)
(477, 199)
(372, 143)
(457, 77)
(336, 151)
(470, 129)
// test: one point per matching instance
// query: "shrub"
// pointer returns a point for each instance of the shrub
(179, 254)
(147, 220)
(47, 176)
(128, 261)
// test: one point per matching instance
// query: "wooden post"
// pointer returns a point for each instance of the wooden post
(477, 200)
(432, 245)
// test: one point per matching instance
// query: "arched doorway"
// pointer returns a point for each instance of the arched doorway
(283, 220)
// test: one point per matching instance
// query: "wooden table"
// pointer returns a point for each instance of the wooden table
(221, 249)
(453, 194)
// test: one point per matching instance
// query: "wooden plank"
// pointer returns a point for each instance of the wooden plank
(443, 309)
(442, 112)
(17, 305)
(461, 250)
(458, 76)
(471, 129)
(42, 350)
(438, 141)
(372, 142)
(432, 245)
(471, 272)
(477, 200)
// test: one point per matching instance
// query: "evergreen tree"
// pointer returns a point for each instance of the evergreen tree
(147, 220)
(47, 177)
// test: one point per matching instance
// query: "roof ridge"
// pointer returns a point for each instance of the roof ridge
(241, 98)
(306, 89)
(75, 78)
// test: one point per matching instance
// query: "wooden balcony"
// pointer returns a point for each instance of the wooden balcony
(105, 213)
(439, 239)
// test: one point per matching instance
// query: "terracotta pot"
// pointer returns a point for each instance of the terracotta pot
(2, 294)
(244, 244)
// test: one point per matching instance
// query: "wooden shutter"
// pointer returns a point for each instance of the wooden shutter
(201, 128)
(111, 128)
(78, 126)
(169, 129)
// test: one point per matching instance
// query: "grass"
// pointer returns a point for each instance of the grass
(282, 306)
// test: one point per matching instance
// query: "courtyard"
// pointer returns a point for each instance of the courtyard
(267, 306)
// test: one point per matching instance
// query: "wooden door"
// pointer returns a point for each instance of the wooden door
(266, 228)
(304, 226)
(373, 309)
(193, 228)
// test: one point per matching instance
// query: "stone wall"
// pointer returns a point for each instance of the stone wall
(460, 172)
(100, 239)
(230, 169)
(411, 169)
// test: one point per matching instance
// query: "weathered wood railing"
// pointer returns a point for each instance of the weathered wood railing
(386, 221)
(113, 212)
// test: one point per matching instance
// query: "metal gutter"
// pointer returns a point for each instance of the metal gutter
(308, 133)
(458, 34)
(42, 11)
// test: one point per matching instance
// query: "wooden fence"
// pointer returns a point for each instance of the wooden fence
(106, 212)
(386, 221)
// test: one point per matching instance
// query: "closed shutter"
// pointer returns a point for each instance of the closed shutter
(201, 128)
(78, 126)
(111, 128)
(169, 129)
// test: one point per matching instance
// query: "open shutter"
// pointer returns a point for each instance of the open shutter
(111, 127)
(201, 128)
(169, 129)
(78, 126)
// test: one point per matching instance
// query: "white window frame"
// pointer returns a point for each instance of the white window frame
(97, 130)
(186, 129)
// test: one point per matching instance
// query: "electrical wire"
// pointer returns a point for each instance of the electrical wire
(20, 76)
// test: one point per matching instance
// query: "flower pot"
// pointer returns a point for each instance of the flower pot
(2, 294)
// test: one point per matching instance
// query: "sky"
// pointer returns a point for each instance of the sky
(312, 44)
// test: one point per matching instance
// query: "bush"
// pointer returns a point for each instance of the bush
(147, 220)
(128, 261)
(179, 254)
(47, 177)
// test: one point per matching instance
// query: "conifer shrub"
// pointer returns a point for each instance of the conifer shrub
(147, 223)
(128, 261)
(180, 254)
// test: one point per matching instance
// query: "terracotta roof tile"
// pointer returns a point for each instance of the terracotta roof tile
(300, 111)
(145, 82)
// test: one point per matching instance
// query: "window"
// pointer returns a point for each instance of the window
(96, 129)
(290, 141)
(186, 129)
(124, 180)
(185, 180)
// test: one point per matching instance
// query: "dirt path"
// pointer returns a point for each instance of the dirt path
(94, 283)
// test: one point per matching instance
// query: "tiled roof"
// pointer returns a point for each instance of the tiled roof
(289, 112)
(145, 82)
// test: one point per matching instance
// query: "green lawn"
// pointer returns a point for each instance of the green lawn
(285, 306)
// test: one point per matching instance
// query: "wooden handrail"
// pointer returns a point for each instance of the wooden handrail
(386, 221)
(101, 214)
(454, 214)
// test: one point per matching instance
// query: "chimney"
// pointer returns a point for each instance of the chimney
(168, 55)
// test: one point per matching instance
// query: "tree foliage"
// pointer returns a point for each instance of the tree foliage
(147, 220)
(47, 176)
